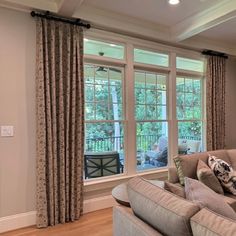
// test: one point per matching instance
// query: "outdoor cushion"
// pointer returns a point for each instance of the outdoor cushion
(208, 223)
(205, 197)
(224, 172)
(164, 211)
(207, 177)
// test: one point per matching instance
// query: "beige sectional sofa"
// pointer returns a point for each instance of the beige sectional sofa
(156, 211)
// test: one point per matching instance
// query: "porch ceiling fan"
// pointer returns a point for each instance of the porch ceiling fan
(103, 69)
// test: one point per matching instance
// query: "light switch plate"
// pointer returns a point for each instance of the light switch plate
(7, 131)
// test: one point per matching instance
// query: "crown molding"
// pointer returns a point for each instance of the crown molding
(68, 7)
(126, 25)
(100, 18)
(28, 5)
(133, 27)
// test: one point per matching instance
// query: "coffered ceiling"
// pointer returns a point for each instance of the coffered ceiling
(198, 22)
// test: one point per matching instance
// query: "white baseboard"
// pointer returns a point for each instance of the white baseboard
(22, 220)
(13, 222)
(99, 203)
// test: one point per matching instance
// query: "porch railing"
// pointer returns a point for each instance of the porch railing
(144, 142)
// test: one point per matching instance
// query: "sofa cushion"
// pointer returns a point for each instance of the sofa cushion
(207, 177)
(187, 165)
(232, 157)
(228, 198)
(160, 208)
(175, 189)
(125, 223)
(206, 222)
(205, 197)
(224, 172)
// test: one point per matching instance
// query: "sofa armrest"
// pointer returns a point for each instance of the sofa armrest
(172, 175)
(125, 223)
(206, 222)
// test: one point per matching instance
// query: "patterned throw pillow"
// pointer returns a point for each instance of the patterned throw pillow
(224, 172)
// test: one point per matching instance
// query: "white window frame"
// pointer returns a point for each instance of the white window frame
(129, 99)
(199, 76)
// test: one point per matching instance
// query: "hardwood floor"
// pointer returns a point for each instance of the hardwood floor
(98, 223)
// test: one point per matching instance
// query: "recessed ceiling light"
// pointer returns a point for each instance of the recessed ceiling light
(173, 2)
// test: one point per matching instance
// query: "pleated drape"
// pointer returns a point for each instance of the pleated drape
(60, 122)
(215, 102)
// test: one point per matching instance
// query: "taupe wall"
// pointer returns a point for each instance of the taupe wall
(17, 107)
(231, 103)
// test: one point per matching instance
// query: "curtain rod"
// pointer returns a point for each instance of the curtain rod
(214, 53)
(48, 15)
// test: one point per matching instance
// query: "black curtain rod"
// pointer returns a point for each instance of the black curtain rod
(49, 16)
(214, 53)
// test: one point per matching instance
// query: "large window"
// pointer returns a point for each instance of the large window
(131, 95)
(104, 128)
(151, 125)
(189, 105)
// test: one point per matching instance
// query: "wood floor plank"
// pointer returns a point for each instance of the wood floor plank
(98, 223)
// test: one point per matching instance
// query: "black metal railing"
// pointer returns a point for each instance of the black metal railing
(144, 142)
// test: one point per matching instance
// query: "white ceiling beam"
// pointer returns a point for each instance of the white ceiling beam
(68, 7)
(191, 26)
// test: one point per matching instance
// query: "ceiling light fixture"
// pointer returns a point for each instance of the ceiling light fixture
(174, 2)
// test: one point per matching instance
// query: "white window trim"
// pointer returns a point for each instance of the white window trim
(129, 100)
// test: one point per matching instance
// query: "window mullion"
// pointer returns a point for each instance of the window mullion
(130, 131)
(173, 125)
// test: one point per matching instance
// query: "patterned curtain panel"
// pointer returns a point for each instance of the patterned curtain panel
(60, 122)
(215, 102)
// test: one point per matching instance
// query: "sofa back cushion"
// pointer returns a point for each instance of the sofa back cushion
(206, 222)
(207, 177)
(232, 157)
(187, 165)
(164, 211)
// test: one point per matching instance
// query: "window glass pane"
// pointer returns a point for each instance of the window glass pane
(150, 96)
(103, 93)
(152, 145)
(89, 111)
(152, 58)
(103, 49)
(104, 149)
(188, 100)
(189, 137)
(189, 64)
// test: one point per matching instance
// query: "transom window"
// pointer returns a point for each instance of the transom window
(152, 58)
(103, 49)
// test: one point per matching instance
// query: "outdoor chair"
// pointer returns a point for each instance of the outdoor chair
(98, 164)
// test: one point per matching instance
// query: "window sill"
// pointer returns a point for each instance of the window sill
(107, 183)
